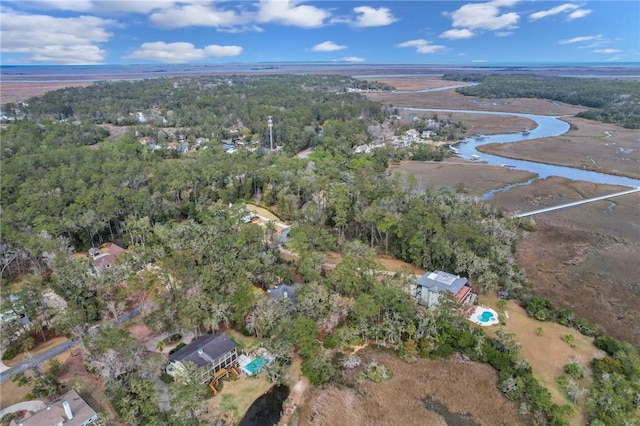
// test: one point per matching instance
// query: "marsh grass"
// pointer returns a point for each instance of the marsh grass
(467, 389)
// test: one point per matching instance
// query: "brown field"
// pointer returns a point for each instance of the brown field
(585, 257)
(449, 99)
(12, 92)
(477, 178)
(399, 400)
(586, 145)
(417, 83)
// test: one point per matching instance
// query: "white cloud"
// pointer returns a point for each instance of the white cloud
(195, 15)
(503, 33)
(422, 46)
(71, 5)
(457, 34)
(352, 59)
(287, 12)
(372, 17)
(577, 14)
(133, 6)
(485, 16)
(327, 46)
(181, 52)
(45, 38)
(581, 39)
(553, 11)
(606, 51)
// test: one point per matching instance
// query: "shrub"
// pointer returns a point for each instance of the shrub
(10, 353)
(166, 377)
(539, 308)
(585, 327)
(331, 341)
(177, 348)
(607, 344)
(574, 370)
(6, 419)
(569, 339)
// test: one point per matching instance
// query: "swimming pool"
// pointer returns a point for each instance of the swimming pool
(484, 316)
(256, 365)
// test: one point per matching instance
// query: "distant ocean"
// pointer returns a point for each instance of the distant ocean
(84, 73)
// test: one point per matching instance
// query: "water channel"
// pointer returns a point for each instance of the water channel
(546, 126)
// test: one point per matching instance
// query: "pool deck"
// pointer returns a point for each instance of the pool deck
(477, 313)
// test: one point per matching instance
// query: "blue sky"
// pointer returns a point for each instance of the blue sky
(205, 31)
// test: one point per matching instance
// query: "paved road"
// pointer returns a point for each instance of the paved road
(38, 359)
(57, 350)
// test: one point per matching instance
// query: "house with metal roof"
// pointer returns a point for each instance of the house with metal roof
(105, 257)
(212, 352)
(432, 285)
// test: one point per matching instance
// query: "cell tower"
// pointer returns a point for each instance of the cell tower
(270, 123)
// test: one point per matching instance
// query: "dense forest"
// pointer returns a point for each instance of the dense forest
(610, 100)
(194, 264)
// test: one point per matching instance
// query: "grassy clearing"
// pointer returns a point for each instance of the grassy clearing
(237, 396)
(244, 343)
(263, 212)
(544, 348)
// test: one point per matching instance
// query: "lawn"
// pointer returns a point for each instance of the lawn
(244, 343)
(236, 397)
(544, 349)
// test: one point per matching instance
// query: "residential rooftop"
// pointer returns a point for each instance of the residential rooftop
(204, 350)
(439, 281)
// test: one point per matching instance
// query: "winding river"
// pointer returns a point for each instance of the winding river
(546, 126)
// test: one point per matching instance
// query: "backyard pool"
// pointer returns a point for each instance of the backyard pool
(484, 316)
(256, 365)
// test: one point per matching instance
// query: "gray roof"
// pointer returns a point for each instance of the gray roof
(439, 281)
(284, 235)
(55, 414)
(205, 350)
(281, 291)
